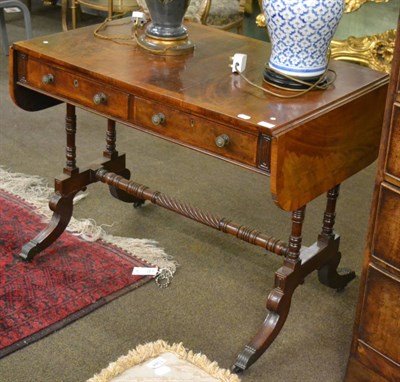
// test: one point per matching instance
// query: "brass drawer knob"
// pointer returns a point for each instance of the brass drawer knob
(222, 140)
(158, 119)
(99, 98)
(48, 79)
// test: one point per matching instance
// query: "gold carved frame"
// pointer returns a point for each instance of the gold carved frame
(375, 51)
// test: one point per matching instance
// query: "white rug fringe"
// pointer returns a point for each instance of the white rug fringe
(35, 191)
(145, 352)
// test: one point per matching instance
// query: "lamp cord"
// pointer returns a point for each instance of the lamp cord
(311, 86)
(105, 24)
(132, 39)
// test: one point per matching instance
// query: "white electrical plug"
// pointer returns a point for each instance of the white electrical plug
(239, 61)
(138, 18)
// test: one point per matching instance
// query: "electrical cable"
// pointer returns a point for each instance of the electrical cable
(133, 38)
(311, 86)
(320, 84)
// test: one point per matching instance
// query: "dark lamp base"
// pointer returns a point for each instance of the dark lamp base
(280, 81)
(165, 47)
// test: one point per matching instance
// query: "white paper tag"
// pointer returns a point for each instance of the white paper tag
(142, 271)
(266, 124)
(156, 362)
(12, 10)
(162, 370)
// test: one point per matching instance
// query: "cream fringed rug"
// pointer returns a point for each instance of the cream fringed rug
(69, 279)
(36, 191)
(159, 361)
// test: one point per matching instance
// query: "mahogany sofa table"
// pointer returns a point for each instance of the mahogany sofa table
(307, 145)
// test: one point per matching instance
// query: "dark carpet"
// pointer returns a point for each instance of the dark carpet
(63, 283)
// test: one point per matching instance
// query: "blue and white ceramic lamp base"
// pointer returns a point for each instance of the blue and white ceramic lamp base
(300, 33)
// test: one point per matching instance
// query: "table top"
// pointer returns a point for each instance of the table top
(201, 82)
(316, 140)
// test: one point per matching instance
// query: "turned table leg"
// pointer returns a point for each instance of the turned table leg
(328, 273)
(299, 262)
(70, 131)
(111, 153)
(287, 278)
(73, 180)
(61, 205)
(111, 140)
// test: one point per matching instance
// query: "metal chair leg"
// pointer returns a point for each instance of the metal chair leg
(27, 19)
(4, 36)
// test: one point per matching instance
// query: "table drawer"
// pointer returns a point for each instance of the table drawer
(386, 239)
(378, 343)
(196, 131)
(393, 158)
(85, 92)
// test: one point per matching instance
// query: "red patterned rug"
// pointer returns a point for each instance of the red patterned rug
(66, 281)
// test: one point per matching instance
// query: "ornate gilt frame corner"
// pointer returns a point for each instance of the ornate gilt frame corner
(353, 5)
(375, 51)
